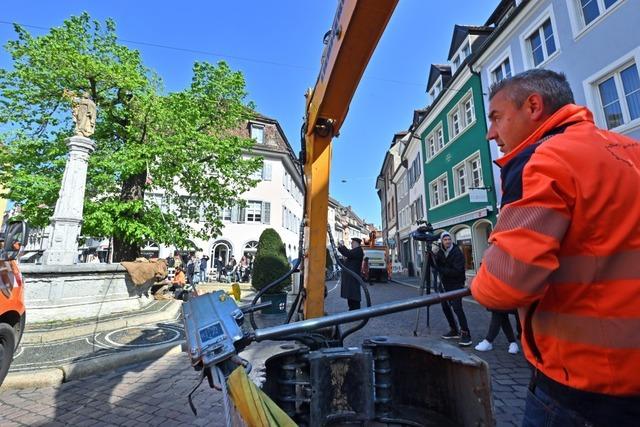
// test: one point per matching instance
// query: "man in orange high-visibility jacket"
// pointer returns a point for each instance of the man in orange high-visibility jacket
(566, 250)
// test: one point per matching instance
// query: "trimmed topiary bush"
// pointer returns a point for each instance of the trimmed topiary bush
(270, 262)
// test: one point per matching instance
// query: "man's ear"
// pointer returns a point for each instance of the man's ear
(535, 107)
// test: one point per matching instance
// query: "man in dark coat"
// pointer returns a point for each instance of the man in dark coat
(450, 264)
(203, 268)
(219, 266)
(350, 288)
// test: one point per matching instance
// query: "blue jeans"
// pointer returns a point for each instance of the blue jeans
(586, 409)
(542, 410)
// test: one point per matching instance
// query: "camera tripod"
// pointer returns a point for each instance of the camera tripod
(429, 266)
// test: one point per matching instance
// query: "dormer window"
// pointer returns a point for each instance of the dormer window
(436, 89)
(466, 50)
(463, 52)
(257, 133)
(456, 63)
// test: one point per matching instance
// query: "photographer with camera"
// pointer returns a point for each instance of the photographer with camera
(450, 264)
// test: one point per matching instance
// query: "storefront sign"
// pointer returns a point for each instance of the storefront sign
(480, 213)
(478, 195)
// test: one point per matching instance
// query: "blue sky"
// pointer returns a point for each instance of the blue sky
(277, 44)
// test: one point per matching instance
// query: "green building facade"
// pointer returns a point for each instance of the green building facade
(458, 171)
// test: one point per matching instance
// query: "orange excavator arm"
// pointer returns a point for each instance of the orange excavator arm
(356, 30)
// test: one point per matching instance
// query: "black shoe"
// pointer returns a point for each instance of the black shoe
(465, 339)
(451, 335)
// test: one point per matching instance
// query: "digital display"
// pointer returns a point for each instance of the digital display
(211, 332)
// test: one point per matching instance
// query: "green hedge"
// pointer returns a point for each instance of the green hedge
(270, 262)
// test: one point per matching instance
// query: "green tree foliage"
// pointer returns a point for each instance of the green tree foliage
(184, 145)
(270, 262)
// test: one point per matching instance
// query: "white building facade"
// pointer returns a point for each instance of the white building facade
(415, 182)
(584, 40)
(275, 202)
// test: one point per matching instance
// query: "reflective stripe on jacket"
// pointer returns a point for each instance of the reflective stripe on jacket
(566, 250)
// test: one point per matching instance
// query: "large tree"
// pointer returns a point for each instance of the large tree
(183, 145)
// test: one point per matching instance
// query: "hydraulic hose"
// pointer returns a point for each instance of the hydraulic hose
(294, 268)
(357, 277)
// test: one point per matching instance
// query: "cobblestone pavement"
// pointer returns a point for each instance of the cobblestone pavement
(155, 393)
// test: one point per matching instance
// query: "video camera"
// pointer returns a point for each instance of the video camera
(425, 233)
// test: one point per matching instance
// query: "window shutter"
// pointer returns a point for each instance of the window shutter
(242, 214)
(266, 171)
(234, 213)
(266, 212)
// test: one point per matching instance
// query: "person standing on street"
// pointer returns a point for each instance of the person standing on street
(203, 268)
(450, 265)
(566, 249)
(191, 268)
(219, 265)
(349, 286)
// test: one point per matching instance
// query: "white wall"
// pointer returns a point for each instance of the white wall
(272, 191)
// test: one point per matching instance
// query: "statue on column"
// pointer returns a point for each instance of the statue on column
(84, 113)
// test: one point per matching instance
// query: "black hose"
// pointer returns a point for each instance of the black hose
(361, 282)
(301, 160)
(300, 249)
(296, 303)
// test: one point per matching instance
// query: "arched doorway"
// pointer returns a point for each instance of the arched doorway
(150, 250)
(462, 237)
(481, 232)
(249, 251)
(222, 248)
(250, 248)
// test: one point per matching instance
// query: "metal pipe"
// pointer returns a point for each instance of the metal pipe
(251, 308)
(281, 331)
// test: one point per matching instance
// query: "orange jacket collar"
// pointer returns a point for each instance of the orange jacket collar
(567, 114)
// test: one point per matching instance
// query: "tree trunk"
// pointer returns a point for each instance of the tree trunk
(123, 251)
(132, 189)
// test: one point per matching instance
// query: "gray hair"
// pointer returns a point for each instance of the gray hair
(551, 86)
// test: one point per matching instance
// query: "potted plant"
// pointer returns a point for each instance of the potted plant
(270, 264)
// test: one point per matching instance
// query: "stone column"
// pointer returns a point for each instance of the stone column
(67, 218)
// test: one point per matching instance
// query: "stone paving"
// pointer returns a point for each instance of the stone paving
(155, 393)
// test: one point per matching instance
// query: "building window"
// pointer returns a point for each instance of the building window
(444, 186)
(466, 50)
(455, 123)
(266, 170)
(469, 114)
(435, 195)
(462, 115)
(456, 63)
(436, 89)
(439, 190)
(502, 71)
(467, 174)
(541, 43)
(440, 135)
(460, 185)
(591, 9)
(475, 168)
(257, 133)
(253, 211)
(414, 171)
(432, 146)
(620, 96)
(435, 141)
